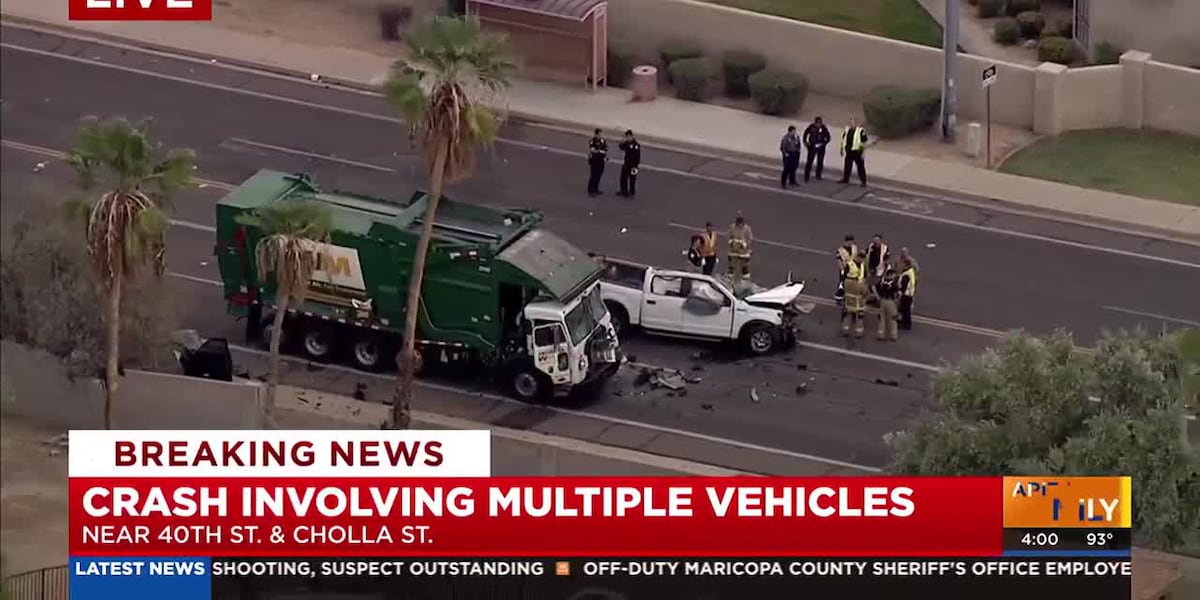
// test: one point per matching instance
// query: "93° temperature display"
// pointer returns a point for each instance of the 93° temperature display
(1066, 542)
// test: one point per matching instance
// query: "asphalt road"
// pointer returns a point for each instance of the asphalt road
(981, 271)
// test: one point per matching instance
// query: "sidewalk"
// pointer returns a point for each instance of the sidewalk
(742, 135)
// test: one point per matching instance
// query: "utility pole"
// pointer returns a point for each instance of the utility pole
(950, 67)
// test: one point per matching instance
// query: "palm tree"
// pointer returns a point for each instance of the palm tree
(446, 90)
(126, 225)
(287, 250)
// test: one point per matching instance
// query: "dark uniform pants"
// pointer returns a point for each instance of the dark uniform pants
(818, 153)
(597, 171)
(628, 180)
(710, 263)
(906, 303)
(791, 163)
(854, 159)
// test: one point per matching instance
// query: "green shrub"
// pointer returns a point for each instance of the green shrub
(1015, 7)
(736, 67)
(672, 51)
(620, 67)
(1107, 54)
(778, 92)
(1006, 31)
(1062, 28)
(1032, 23)
(690, 78)
(990, 8)
(1056, 50)
(895, 112)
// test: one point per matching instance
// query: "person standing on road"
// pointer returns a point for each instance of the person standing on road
(877, 260)
(708, 249)
(816, 137)
(845, 253)
(888, 292)
(908, 292)
(855, 306)
(854, 143)
(740, 239)
(629, 166)
(694, 253)
(597, 157)
(789, 148)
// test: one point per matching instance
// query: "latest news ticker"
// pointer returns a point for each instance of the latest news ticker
(201, 515)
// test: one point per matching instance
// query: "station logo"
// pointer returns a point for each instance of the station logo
(140, 10)
(1050, 502)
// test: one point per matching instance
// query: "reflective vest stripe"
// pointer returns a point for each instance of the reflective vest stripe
(911, 288)
(857, 143)
(709, 247)
(854, 271)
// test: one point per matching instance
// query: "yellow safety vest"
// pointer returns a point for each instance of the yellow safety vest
(855, 271)
(709, 246)
(911, 288)
(857, 143)
(845, 255)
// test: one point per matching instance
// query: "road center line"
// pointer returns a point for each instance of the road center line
(1139, 313)
(685, 174)
(758, 241)
(307, 154)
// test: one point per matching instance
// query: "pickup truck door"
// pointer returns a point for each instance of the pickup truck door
(662, 304)
(708, 310)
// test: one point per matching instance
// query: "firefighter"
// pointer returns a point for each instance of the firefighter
(740, 239)
(908, 291)
(597, 157)
(888, 292)
(844, 254)
(708, 249)
(630, 164)
(854, 305)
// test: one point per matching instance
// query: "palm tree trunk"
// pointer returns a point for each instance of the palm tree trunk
(112, 370)
(403, 393)
(273, 362)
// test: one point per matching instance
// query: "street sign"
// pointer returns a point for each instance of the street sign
(989, 76)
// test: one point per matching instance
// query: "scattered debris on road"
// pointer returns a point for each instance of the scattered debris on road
(754, 395)
(58, 443)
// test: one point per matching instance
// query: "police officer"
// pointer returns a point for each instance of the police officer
(844, 254)
(597, 157)
(740, 239)
(908, 291)
(854, 306)
(629, 166)
(816, 137)
(888, 292)
(694, 253)
(854, 142)
(708, 249)
(878, 256)
(789, 148)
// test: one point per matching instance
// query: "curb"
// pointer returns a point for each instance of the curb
(574, 127)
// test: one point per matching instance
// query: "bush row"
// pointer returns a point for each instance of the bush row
(987, 9)
(896, 112)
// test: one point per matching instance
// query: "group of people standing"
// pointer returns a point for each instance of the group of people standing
(702, 252)
(868, 276)
(814, 140)
(598, 158)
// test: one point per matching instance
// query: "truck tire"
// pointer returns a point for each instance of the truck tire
(316, 341)
(528, 384)
(369, 351)
(620, 320)
(759, 339)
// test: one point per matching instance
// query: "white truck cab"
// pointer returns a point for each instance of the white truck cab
(689, 304)
(571, 344)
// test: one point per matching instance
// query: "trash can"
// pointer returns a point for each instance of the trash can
(974, 140)
(645, 83)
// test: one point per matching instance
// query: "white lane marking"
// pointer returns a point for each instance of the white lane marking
(195, 279)
(677, 172)
(595, 416)
(1139, 313)
(758, 241)
(307, 154)
(194, 226)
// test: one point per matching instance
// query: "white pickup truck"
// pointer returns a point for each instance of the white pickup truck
(688, 304)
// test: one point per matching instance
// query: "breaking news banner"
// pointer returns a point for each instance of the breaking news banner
(199, 515)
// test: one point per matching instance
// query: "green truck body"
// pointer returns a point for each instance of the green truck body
(484, 267)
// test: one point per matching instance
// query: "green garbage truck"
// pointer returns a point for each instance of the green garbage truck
(500, 291)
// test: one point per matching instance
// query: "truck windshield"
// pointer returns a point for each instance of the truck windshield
(584, 318)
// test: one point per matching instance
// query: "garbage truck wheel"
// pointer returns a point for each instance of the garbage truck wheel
(528, 384)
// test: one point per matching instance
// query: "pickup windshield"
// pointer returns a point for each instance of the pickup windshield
(584, 318)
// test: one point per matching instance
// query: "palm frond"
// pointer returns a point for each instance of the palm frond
(287, 249)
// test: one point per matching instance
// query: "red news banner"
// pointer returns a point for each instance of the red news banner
(134, 497)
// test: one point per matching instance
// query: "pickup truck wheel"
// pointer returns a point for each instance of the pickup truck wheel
(620, 319)
(759, 339)
(528, 384)
(316, 341)
(368, 352)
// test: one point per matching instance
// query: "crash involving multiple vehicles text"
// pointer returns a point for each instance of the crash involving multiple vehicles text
(501, 293)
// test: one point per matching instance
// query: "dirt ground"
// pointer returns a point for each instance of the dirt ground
(33, 496)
